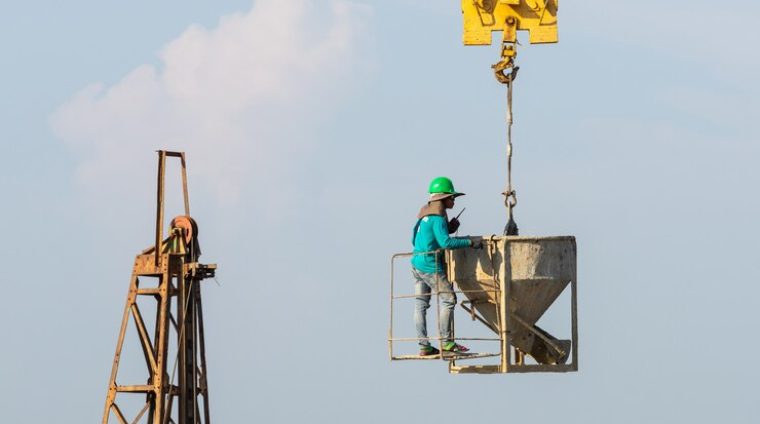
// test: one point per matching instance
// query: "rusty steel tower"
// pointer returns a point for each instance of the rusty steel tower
(166, 278)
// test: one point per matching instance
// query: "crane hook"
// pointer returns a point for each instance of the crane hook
(500, 70)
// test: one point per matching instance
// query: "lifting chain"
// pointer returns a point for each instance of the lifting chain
(506, 72)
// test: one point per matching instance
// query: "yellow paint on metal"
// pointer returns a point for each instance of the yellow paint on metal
(483, 17)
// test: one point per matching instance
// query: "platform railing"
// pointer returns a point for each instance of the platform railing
(443, 356)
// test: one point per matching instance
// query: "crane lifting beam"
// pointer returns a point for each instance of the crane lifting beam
(483, 17)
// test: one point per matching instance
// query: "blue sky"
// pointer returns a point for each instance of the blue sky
(312, 129)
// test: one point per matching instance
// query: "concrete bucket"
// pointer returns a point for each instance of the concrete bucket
(531, 272)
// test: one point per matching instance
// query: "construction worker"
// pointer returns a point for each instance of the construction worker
(432, 233)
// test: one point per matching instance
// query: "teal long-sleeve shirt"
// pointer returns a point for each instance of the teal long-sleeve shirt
(432, 233)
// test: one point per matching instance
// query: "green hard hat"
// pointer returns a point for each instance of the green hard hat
(441, 188)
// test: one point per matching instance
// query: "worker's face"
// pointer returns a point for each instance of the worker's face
(448, 202)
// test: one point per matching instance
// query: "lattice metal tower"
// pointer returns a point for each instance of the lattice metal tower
(170, 274)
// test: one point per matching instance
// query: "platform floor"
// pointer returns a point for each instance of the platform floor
(446, 356)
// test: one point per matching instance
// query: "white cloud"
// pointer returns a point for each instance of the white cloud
(234, 97)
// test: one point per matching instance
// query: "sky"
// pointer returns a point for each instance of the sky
(312, 128)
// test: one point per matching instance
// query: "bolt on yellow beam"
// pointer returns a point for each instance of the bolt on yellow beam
(483, 17)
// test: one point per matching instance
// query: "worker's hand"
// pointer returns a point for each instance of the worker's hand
(453, 225)
(476, 244)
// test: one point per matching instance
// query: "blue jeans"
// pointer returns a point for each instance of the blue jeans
(425, 283)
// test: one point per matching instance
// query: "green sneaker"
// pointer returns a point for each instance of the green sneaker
(428, 351)
(455, 348)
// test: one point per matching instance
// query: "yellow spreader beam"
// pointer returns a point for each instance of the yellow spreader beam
(482, 17)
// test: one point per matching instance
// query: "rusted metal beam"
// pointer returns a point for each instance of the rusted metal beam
(146, 344)
(184, 185)
(119, 414)
(142, 412)
(141, 388)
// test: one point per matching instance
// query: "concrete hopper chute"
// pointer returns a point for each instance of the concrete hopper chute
(532, 272)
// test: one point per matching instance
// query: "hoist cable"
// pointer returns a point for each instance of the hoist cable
(510, 195)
